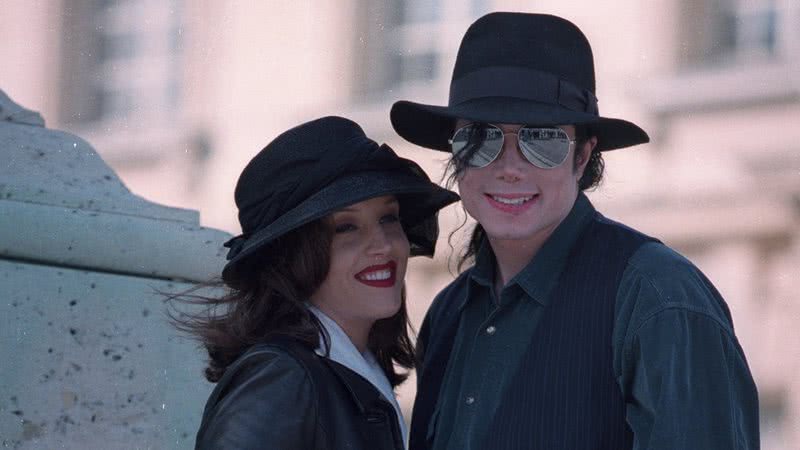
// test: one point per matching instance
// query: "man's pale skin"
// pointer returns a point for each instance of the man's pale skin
(517, 232)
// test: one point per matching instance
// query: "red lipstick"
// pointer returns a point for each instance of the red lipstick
(381, 275)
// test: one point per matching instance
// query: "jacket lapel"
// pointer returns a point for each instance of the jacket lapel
(378, 419)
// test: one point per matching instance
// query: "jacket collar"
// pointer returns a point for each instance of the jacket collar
(364, 394)
(342, 350)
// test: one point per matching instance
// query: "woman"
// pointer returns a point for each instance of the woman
(304, 345)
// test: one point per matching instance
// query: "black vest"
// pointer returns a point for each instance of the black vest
(564, 394)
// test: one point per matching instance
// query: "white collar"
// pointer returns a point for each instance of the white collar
(343, 351)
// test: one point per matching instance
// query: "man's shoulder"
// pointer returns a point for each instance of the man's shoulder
(660, 263)
(666, 270)
(650, 257)
(602, 222)
(659, 279)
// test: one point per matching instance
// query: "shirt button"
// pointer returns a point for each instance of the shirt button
(470, 400)
(490, 330)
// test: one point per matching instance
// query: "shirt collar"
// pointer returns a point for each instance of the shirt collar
(343, 351)
(541, 274)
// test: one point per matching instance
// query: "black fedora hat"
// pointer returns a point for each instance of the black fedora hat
(518, 68)
(316, 168)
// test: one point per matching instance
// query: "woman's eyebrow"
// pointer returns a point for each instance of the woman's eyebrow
(347, 209)
(354, 209)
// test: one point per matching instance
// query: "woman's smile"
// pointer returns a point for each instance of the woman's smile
(381, 276)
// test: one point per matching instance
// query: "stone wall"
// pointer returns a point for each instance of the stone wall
(87, 358)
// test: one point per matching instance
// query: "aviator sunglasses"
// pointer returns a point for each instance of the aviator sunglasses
(480, 144)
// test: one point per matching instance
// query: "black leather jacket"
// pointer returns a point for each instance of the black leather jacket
(282, 395)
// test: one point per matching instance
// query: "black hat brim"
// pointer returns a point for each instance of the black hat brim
(431, 126)
(419, 201)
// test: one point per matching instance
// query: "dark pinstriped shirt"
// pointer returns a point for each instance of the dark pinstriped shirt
(676, 357)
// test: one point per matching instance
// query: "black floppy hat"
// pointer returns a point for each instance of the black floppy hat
(517, 68)
(316, 168)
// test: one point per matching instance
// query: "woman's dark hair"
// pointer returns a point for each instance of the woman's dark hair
(591, 178)
(266, 295)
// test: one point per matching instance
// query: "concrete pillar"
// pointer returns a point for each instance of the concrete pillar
(87, 358)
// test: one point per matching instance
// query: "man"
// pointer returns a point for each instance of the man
(570, 331)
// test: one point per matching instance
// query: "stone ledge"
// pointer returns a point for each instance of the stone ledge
(57, 168)
(12, 112)
(109, 242)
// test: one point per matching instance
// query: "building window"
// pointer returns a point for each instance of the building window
(419, 11)
(406, 44)
(749, 28)
(772, 419)
(121, 61)
(735, 32)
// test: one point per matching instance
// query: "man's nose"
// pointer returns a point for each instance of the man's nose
(510, 162)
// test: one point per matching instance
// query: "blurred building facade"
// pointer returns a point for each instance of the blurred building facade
(178, 95)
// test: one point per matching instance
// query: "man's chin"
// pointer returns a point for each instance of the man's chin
(506, 233)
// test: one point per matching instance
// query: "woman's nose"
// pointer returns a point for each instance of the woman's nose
(379, 241)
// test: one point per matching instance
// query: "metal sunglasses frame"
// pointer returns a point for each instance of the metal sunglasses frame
(570, 142)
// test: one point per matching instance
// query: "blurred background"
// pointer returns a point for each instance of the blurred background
(178, 95)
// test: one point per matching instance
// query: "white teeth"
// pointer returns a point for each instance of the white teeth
(377, 276)
(512, 201)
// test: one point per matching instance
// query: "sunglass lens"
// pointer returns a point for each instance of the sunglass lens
(544, 147)
(478, 144)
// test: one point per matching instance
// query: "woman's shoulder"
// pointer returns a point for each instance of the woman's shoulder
(269, 365)
(272, 357)
(260, 387)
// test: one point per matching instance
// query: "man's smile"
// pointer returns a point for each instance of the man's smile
(512, 203)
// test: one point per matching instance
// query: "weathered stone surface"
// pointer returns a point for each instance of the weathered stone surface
(120, 243)
(61, 204)
(12, 112)
(89, 359)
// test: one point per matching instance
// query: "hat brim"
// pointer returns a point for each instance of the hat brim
(419, 200)
(431, 126)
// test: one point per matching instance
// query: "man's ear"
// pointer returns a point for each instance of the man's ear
(584, 152)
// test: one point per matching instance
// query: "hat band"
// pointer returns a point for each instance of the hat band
(264, 211)
(528, 84)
